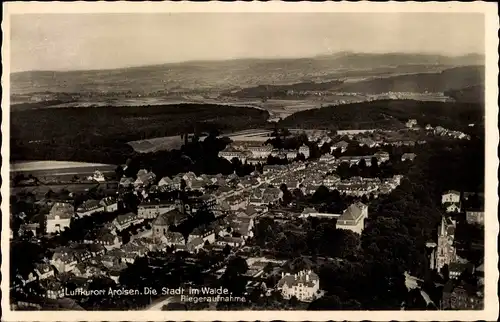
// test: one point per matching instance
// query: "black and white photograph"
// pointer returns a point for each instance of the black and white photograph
(201, 162)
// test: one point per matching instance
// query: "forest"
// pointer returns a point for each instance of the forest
(388, 114)
(100, 134)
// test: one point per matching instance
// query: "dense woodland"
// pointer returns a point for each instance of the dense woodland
(388, 114)
(448, 79)
(101, 133)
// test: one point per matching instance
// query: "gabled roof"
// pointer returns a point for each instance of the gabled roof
(61, 209)
(353, 212)
(173, 217)
(89, 205)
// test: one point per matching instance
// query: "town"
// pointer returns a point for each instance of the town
(310, 225)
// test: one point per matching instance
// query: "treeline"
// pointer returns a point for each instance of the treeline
(269, 91)
(448, 79)
(388, 114)
(100, 134)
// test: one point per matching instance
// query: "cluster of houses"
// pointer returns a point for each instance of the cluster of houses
(455, 202)
(255, 154)
(441, 131)
(62, 212)
(457, 293)
(359, 186)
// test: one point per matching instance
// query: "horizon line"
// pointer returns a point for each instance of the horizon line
(345, 52)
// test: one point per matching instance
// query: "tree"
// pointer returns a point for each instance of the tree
(237, 266)
(329, 302)
(321, 194)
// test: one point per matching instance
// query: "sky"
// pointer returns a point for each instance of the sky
(104, 41)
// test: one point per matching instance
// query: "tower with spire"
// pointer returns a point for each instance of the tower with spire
(446, 252)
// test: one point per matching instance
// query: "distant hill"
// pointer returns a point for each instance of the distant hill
(387, 114)
(471, 94)
(449, 79)
(228, 74)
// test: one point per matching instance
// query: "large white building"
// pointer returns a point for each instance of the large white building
(304, 286)
(304, 149)
(59, 217)
(353, 218)
(151, 210)
(450, 196)
(260, 151)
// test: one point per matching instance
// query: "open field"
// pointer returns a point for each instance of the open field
(175, 142)
(40, 166)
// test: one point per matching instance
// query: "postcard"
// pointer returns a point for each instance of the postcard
(249, 161)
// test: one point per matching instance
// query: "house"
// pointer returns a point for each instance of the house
(88, 270)
(328, 158)
(96, 249)
(456, 269)
(367, 142)
(195, 244)
(108, 239)
(458, 295)
(452, 207)
(110, 204)
(475, 216)
(382, 156)
(172, 238)
(445, 252)
(144, 178)
(231, 241)
(162, 224)
(31, 277)
(353, 218)
(151, 209)
(205, 202)
(331, 180)
(342, 145)
(64, 259)
(166, 184)
(123, 222)
(59, 217)
(451, 196)
(43, 271)
(408, 156)
(236, 202)
(53, 288)
(206, 233)
(304, 150)
(29, 228)
(356, 159)
(126, 182)
(411, 123)
(89, 207)
(304, 286)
